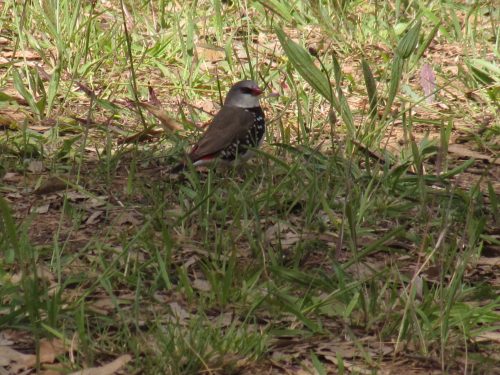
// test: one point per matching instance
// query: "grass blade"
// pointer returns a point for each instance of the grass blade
(371, 87)
(278, 8)
(396, 73)
(407, 44)
(21, 89)
(303, 62)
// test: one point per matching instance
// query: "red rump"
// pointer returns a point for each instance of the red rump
(207, 157)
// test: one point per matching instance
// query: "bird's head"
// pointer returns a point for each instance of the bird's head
(244, 94)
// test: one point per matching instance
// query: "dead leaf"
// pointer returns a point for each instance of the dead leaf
(178, 312)
(75, 196)
(352, 367)
(428, 81)
(169, 124)
(128, 218)
(190, 261)
(93, 218)
(210, 53)
(9, 355)
(49, 350)
(17, 361)
(42, 272)
(6, 122)
(225, 320)
(472, 95)
(487, 261)
(94, 202)
(12, 177)
(105, 305)
(51, 185)
(52, 372)
(206, 106)
(35, 166)
(28, 55)
(108, 369)
(43, 209)
(488, 336)
(464, 151)
(143, 135)
(42, 73)
(202, 285)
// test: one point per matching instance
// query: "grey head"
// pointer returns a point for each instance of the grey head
(244, 94)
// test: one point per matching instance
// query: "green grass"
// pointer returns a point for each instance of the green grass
(353, 243)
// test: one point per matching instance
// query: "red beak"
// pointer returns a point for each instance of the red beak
(256, 91)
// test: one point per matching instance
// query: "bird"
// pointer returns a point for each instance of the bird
(237, 128)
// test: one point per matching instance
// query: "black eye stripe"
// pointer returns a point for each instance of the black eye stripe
(246, 90)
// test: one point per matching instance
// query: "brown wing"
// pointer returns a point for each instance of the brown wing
(229, 124)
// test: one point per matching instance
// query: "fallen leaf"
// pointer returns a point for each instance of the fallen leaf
(42, 272)
(128, 218)
(178, 312)
(428, 81)
(12, 177)
(487, 261)
(108, 369)
(93, 218)
(465, 151)
(51, 185)
(49, 350)
(43, 209)
(75, 196)
(167, 122)
(28, 55)
(17, 361)
(95, 202)
(352, 367)
(488, 336)
(143, 135)
(52, 372)
(35, 166)
(202, 285)
(11, 357)
(225, 320)
(210, 53)
(103, 305)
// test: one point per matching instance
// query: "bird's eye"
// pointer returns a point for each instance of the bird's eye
(246, 90)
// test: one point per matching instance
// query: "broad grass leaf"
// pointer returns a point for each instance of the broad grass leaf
(6, 98)
(407, 44)
(459, 169)
(304, 64)
(21, 89)
(53, 87)
(371, 87)
(9, 232)
(341, 101)
(427, 41)
(278, 8)
(484, 71)
(396, 73)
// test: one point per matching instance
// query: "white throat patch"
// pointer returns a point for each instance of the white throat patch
(243, 101)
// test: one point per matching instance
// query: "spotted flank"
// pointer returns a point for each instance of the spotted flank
(235, 130)
(253, 138)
